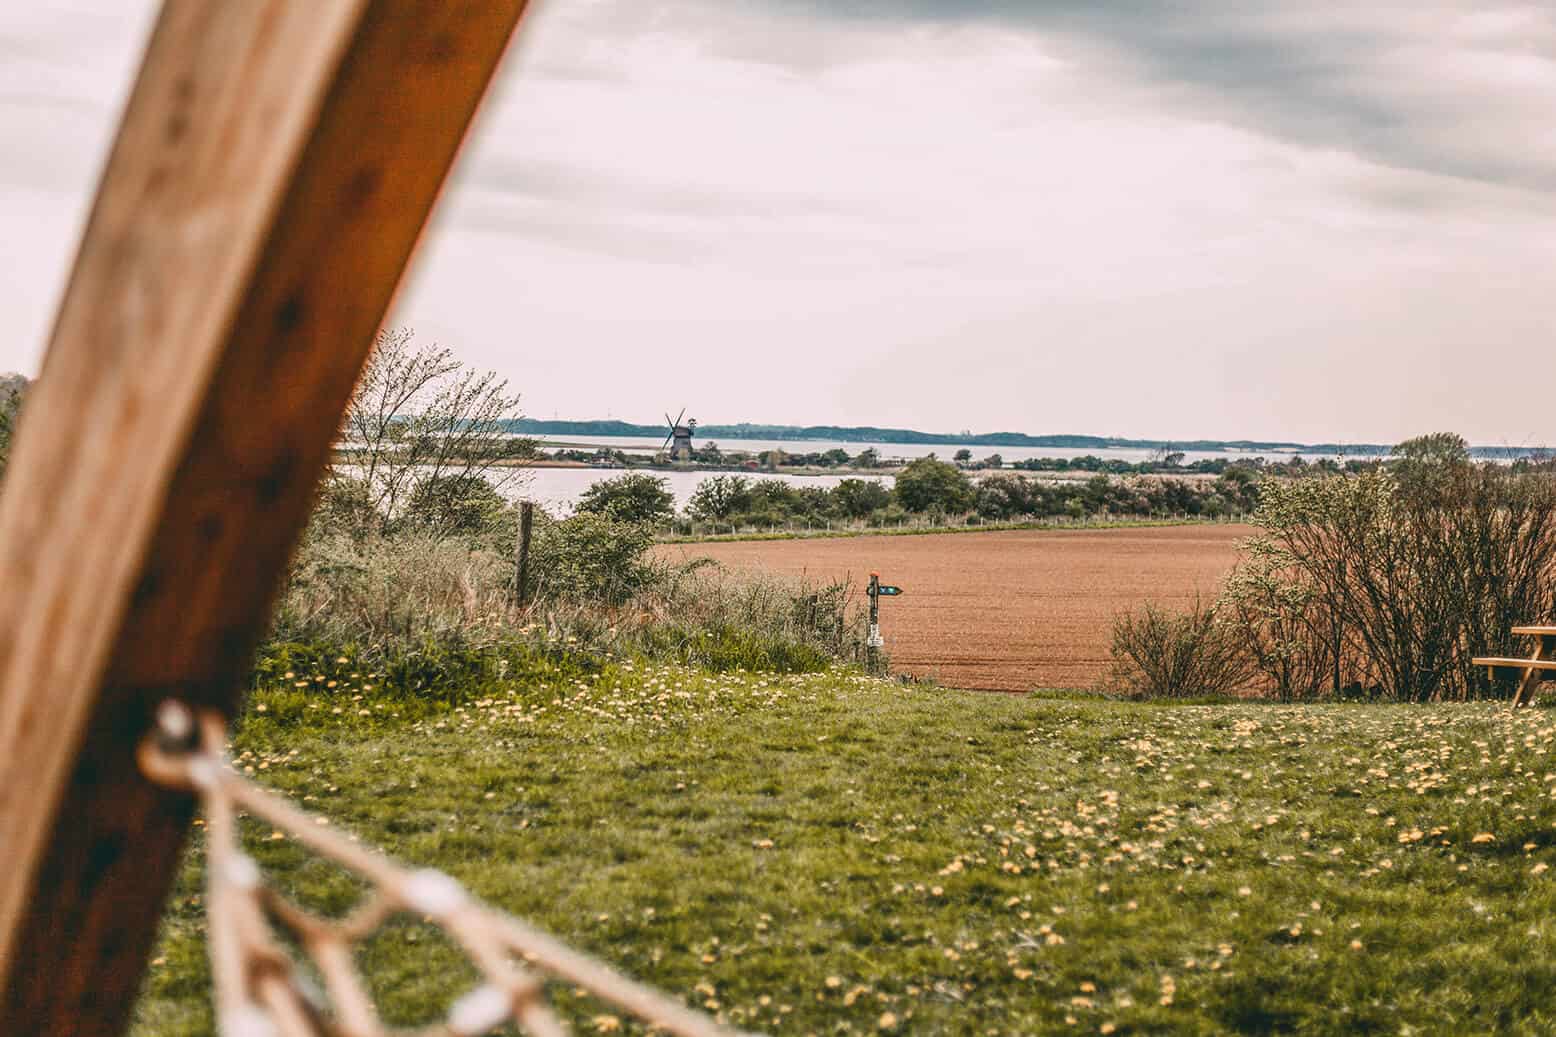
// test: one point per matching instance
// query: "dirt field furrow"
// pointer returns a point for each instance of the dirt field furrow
(1006, 611)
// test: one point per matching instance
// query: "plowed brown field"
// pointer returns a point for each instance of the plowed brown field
(1006, 611)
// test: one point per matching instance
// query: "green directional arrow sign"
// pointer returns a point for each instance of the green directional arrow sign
(888, 590)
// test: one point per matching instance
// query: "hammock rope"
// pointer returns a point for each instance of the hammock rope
(259, 991)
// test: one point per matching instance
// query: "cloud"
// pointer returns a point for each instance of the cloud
(1166, 219)
(1452, 88)
(944, 211)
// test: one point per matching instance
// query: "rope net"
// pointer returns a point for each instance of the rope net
(259, 989)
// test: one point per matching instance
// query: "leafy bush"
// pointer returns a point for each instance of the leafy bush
(928, 483)
(593, 557)
(1162, 654)
(858, 498)
(344, 508)
(634, 497)
(720, 497)
(454, 505)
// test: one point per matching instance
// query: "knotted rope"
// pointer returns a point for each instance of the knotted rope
(258, 990)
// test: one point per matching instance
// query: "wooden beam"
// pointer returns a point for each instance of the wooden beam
(273, 171)
(1500, 663)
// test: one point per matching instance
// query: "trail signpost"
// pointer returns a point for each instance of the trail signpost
(874, 642)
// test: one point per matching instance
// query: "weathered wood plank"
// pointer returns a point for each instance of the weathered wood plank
(1499, 663)
(274, 169)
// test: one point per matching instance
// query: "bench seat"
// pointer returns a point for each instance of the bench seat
(1498, 663)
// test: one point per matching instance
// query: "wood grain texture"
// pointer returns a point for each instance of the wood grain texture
(275, 166)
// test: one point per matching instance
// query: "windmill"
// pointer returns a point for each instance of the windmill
(680, 438)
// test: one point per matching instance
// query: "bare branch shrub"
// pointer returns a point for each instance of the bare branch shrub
(1424, 566)
(1158, 653)
(419, 418)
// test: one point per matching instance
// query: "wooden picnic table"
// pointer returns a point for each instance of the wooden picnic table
(1533, 669)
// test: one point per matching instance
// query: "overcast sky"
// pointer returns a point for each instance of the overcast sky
(1137, 217)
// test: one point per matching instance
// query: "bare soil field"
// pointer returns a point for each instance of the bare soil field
(1005, 611)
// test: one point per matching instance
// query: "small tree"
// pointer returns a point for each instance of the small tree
(962, 456)
(1437, 449)
(859, 498)
(417, 416)
(835, 457)
(1426, 466)
(634, 497)
(720, 497)
(928, 484)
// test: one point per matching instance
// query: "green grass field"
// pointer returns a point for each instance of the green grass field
(830, 854)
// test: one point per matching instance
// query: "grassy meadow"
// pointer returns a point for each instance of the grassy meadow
(829, 853)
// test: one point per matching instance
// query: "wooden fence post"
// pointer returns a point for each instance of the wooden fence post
(274, 168)
(521, 578)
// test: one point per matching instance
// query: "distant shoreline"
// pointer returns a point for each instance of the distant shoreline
(873, 436)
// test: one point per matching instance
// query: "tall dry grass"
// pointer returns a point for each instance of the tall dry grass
(413, 590)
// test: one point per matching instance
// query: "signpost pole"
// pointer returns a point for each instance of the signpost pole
(873, 642)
